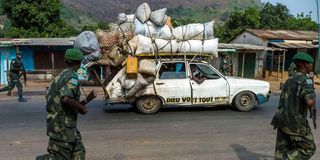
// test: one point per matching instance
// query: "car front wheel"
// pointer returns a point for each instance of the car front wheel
(148, 104)
(244, 101)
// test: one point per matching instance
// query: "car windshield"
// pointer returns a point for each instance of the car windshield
(207, 71)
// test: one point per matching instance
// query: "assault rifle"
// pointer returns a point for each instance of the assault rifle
(92, 95)
(313, 109)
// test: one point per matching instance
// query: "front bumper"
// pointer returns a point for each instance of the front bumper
(262, 98)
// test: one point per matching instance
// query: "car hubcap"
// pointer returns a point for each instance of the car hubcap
(245, 100)
(148, 104)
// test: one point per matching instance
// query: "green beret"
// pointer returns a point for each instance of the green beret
(73, 55)
(303, 56)
(18, 53)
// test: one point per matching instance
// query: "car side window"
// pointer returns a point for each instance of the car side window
(207, 71)
(173, 71)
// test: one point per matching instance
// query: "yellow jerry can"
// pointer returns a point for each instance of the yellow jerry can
(132, 65)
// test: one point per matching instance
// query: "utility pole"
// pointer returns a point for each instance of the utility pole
(317, 2)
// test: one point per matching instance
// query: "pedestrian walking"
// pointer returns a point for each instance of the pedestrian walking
(63, 107)
(226, 65)
(16, 71)
(294, 136)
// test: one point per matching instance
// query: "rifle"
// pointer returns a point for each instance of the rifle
(313, 109)
(92, 95)
(24, 74)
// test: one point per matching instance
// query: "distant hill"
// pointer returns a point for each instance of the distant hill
(202, 10)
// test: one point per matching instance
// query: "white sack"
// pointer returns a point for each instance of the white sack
(114, 88)
(159, 17)
(147, 66)
(140, 84)
(198, 46)
(153, 31)
(143, 12)
(139, 28)
(148, 29)
(195, 31)
(141, 44)
(122, 18)
(126, 82)
(88, 43)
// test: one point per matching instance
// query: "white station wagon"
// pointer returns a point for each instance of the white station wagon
(175, 85)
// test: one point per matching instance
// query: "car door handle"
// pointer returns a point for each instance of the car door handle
(159, 83)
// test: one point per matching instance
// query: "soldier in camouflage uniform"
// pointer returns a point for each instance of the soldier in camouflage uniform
(63, 107)
(292, 69)
(16, 71)
(294, 137)
(226, 66)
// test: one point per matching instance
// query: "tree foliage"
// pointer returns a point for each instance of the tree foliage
(35, 18)
(269, 17)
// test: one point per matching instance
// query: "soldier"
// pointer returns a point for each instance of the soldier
(292, 69)
(16, 71)
(63, 107)
(226, 65)
(294, 137)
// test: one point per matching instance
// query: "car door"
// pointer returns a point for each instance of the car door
(172, 83)
(213, 90)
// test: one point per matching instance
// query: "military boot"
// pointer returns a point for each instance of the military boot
(21, 99)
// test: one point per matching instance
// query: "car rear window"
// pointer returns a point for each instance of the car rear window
(173, 71)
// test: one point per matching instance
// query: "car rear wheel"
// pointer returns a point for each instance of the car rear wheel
(244, 101)
(148, 105)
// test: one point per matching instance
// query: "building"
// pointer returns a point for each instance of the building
(42, 57)
(285, 44)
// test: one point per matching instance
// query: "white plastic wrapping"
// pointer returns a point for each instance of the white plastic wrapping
(194, 31)
(141, 44)
(197, 46)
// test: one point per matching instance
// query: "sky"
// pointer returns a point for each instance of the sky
(298, 6)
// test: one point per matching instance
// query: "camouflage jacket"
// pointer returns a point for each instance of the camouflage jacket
(226, 67)
(291, 116)
(15, 67)
(62, 120)
(292, 69)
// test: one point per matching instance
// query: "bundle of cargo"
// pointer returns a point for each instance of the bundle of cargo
(151, 33)
(132, 80)
(87, 42)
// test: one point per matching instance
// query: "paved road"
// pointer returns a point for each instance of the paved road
(120, 134)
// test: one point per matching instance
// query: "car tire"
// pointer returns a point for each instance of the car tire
(244, 101)
(148, 104)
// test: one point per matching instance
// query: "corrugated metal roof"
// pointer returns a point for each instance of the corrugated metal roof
(300, 45)
(247, 47)
(285, 34)
(46, 42)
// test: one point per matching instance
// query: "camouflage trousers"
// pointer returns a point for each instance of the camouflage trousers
(12, 84)
(294, 147)
(64, 151)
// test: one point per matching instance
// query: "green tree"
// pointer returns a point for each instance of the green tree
(36, 18)
(302, 22)
(239, 20)
(275, 16)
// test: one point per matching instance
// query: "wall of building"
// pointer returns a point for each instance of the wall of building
(248, 38)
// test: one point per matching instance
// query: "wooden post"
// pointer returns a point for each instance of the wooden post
(243, 60)
(8, 70)
(53, 65)
(272, 58)
(284, 61)
(279, 61)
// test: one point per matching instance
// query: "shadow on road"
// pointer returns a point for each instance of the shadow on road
(244, 154)
(173, 108)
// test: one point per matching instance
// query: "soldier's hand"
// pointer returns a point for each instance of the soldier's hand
(83, 111)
